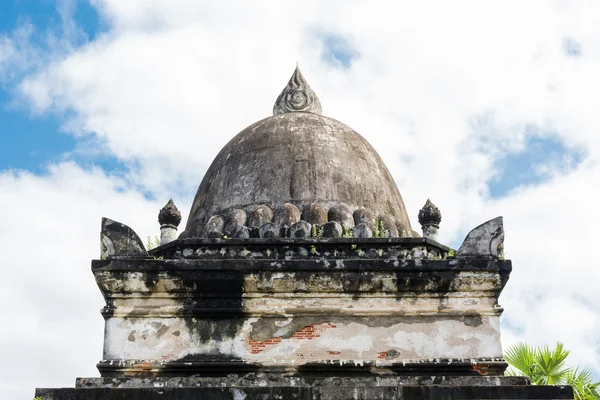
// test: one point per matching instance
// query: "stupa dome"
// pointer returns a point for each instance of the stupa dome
(296, 158)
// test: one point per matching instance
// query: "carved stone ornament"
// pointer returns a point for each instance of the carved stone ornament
(485, 240)
(119, 240)
(429, 214)
(297, 96)
(169, 214)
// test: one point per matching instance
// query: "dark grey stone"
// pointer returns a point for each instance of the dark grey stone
(214, 235)
(235, 218)
(315, 214)
(333, 229)
(301, 229)
(118, 240)
(364, 216)
(362, 230)
(341, 214)
(214, 227)
(269, 230)
(485, 240)
(242, 232)
(389, 224)
(259, 216)
(286, 215)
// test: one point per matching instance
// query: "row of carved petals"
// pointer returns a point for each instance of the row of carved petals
(288, 221)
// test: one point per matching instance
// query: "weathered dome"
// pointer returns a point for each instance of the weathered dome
(297, 158)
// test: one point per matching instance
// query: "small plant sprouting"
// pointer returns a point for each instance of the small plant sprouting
(313, 249)
(450, 254)
(379, 230)
(152, 243)
(317, 231)
(347, 233)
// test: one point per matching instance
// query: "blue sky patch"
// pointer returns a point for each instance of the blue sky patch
(32, 142)
(337, 50)
(534, 164)
(45, 16)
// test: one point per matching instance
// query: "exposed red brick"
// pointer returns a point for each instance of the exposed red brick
(335, 353)
(308, 332)
(257, 347)
(382, 354)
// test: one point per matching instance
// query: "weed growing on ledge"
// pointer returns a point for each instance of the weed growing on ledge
(379, 230)
(317, 231)
(152, 243)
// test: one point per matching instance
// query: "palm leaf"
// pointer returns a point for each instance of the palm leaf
(550, 365)
(583, 386)
(520, 356)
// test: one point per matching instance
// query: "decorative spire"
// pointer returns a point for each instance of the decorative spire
(297, 96)
(430, 214)
(169, 215)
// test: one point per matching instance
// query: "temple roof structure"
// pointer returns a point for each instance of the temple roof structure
(299, 277)
(298, 158)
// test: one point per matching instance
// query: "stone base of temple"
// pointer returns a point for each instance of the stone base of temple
(267, 386)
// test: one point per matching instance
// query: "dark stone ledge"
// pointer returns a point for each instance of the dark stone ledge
(317, 264)
(438, 392)
(251, 379)
(227, 277)
(175, 249)
(335, 368)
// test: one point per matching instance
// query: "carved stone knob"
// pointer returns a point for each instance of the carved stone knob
(169, 215)
(430, 214)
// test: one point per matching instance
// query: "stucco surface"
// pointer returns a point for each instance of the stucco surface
(297, 158)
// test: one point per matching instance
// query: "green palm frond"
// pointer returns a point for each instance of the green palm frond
(551, 364)
(583, 386)
(521, 356)
(547, 367)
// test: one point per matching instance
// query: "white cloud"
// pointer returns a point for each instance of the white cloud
(441, 89)
(52, 330)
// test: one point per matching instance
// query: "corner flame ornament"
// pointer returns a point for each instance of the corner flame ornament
(297, 96)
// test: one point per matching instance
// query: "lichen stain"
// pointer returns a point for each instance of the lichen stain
(473, 320)
(161, 329)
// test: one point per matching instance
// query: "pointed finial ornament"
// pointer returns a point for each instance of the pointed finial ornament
(430, 214)
(169, 218)
(169, 215)
(297, 96)
(430, 218)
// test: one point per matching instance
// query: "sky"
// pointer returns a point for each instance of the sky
(111, 107)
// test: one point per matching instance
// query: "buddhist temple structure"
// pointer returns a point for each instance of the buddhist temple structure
(299, 276)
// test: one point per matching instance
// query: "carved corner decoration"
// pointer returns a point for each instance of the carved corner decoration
(485, 240)
(119, 240)
(297, 96)
(169, 215)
